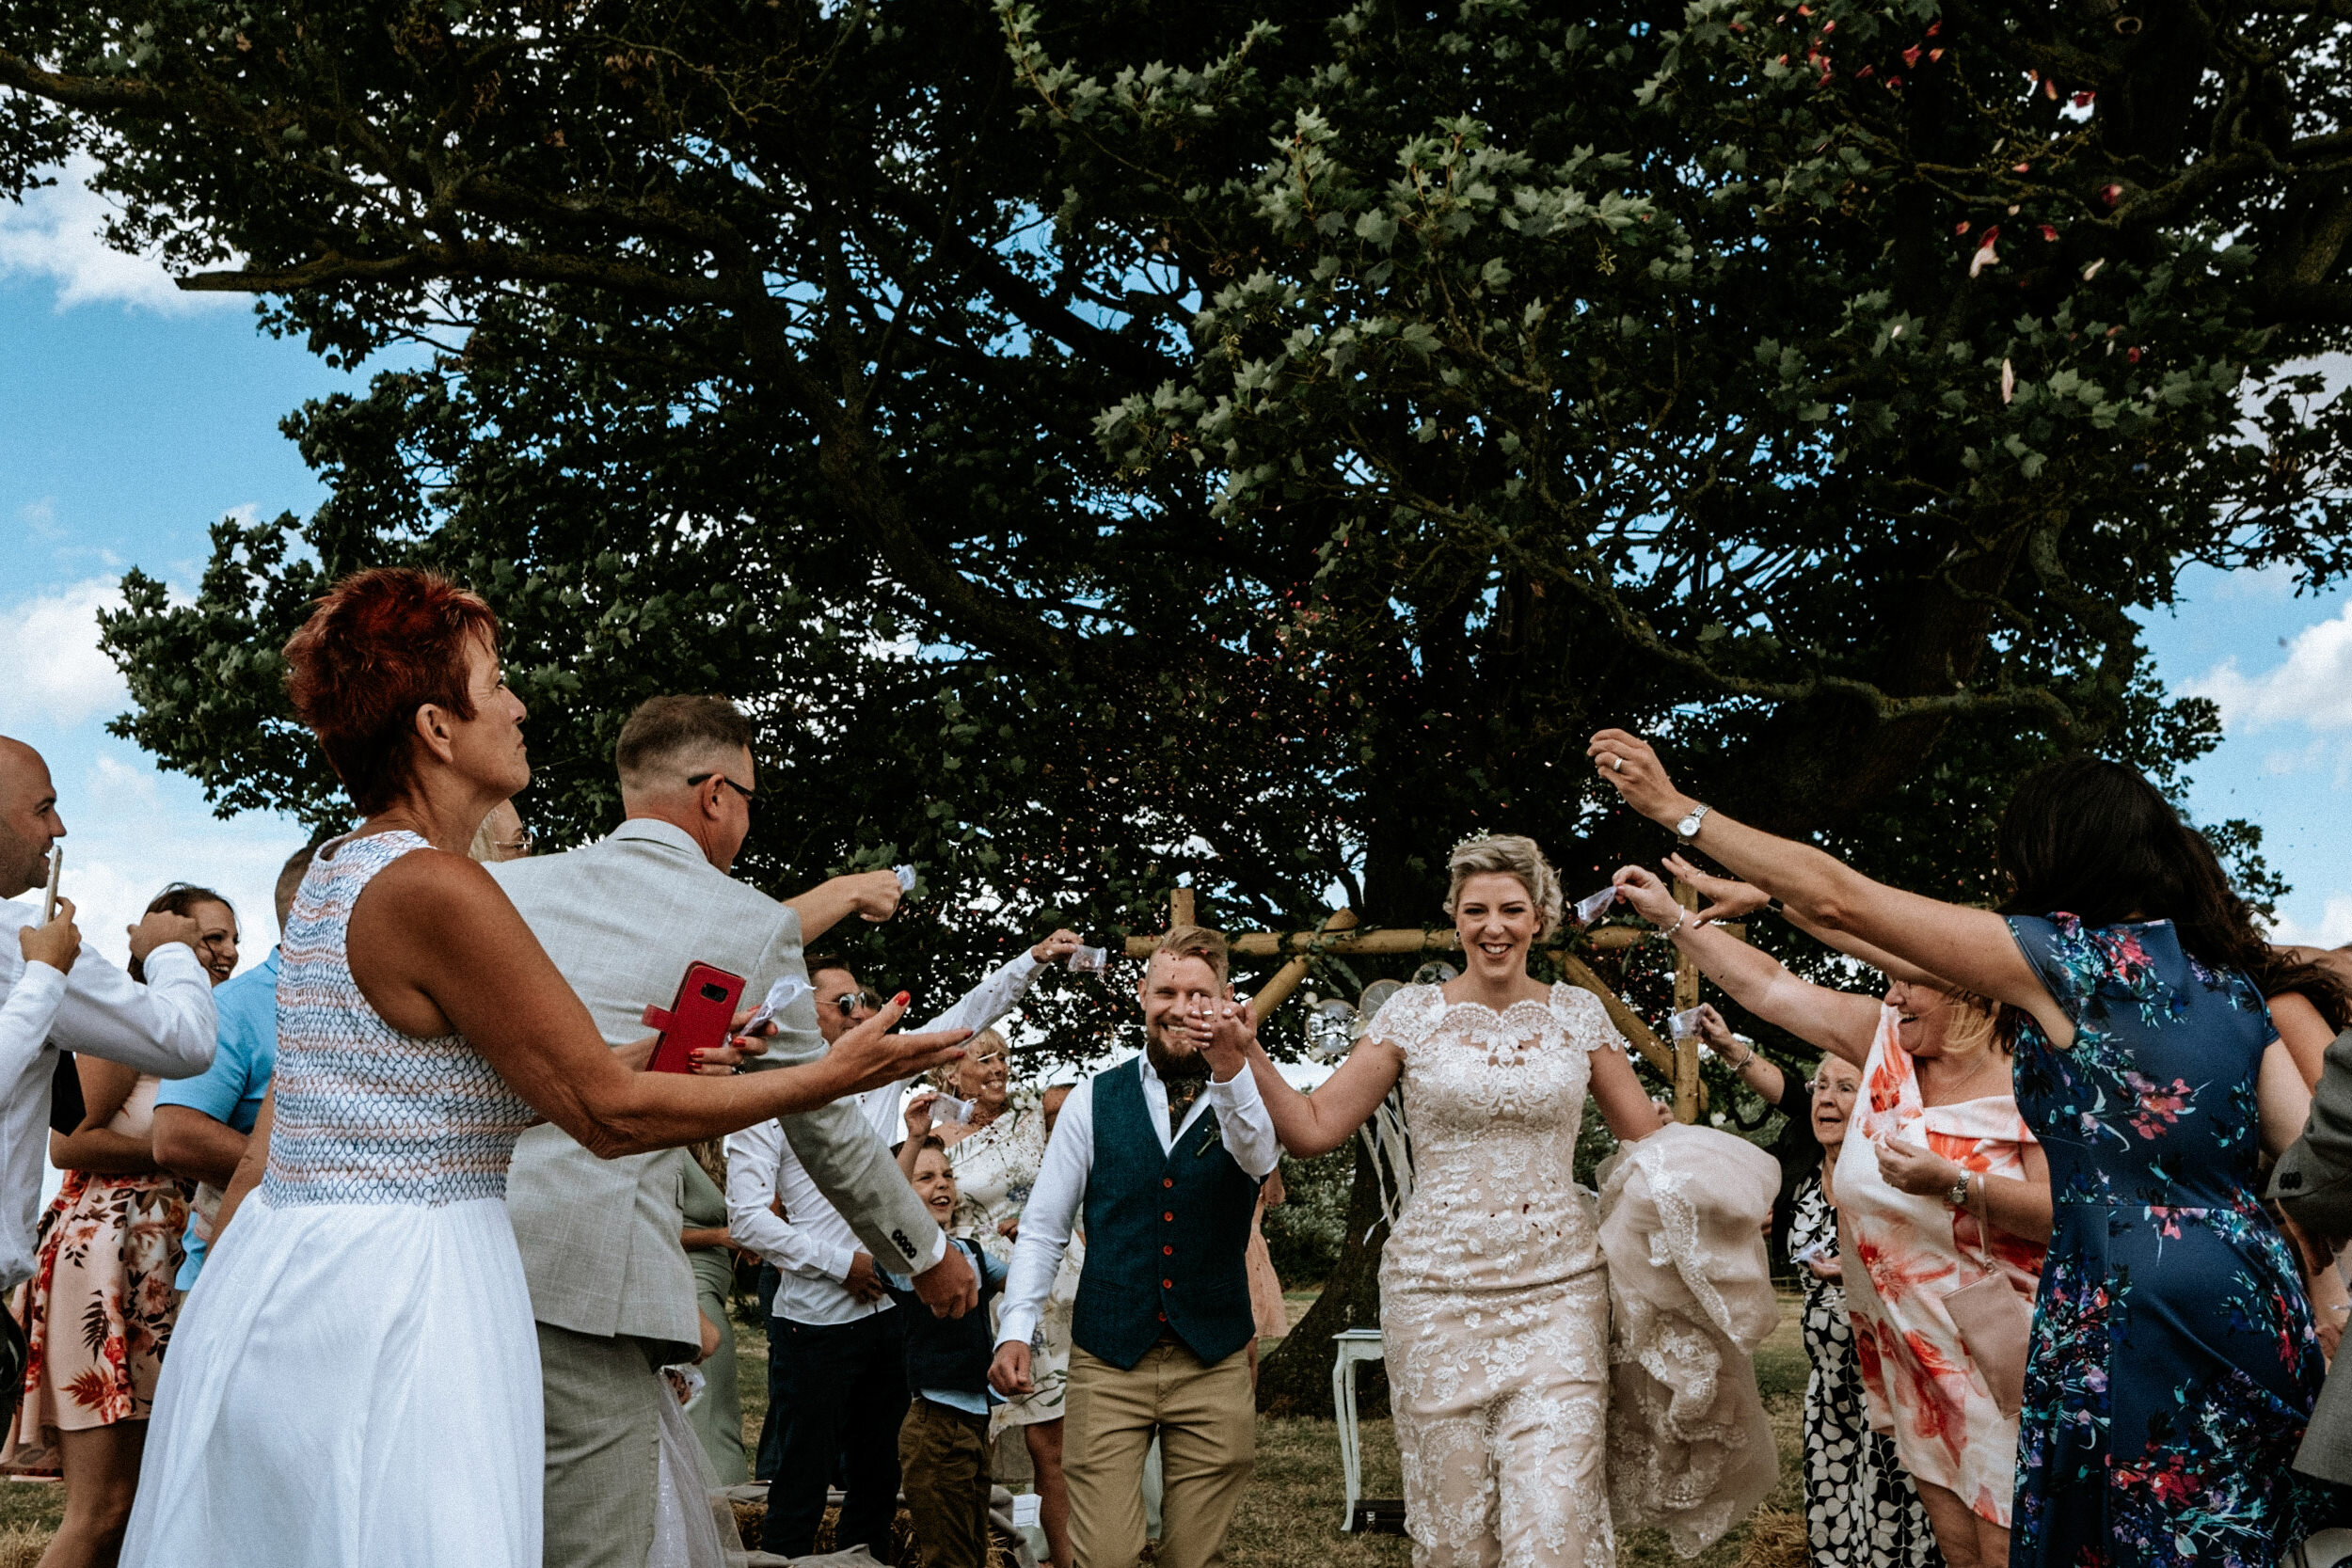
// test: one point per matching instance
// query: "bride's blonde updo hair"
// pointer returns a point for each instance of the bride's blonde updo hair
(1512, 856)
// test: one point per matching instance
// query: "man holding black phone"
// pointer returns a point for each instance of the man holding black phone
(51, 1000)
(610, 1286)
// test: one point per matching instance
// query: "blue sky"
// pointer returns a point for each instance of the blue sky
(133, 417)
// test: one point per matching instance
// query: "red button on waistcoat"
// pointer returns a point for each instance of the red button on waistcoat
(1167, 1285)
(1163, 1317)
(1170, 1215)
(1167, 1182)
(1168, 1252)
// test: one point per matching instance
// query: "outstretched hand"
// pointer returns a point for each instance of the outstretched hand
(1730, 899)
(1641, 888)
(1057, 948)
(869, 1056)
(1630, 763)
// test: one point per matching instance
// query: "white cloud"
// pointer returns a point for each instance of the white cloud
(2311, 687)
(56, 233)
(2333, 927)
(57, 676)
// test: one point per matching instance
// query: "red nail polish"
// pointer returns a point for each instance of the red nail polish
(899, 1000)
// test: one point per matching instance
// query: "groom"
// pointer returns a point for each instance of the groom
(1165, 1154)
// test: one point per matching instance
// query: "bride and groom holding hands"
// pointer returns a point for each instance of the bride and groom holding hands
(1519, 1438)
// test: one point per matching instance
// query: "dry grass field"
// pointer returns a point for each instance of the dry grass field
(1291, 1517)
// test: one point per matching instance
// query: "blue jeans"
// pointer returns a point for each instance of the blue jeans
(842, 1391)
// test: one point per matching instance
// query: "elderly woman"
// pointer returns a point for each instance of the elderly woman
(2173, 1361)
(1945, 1188)
(355, 1379)
(995, 1153)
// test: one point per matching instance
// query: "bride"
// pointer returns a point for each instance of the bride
(1494, 1298)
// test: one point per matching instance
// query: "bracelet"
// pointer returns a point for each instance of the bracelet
(1958, 1197)
(1741, 1065)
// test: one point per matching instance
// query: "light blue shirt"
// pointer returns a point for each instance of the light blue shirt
(231, 1090)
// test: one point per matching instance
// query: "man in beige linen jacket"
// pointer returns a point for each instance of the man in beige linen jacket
(610, 1283)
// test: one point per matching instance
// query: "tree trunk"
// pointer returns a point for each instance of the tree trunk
(1295, 1379)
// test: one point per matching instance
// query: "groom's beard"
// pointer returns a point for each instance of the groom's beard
(1172, 1066)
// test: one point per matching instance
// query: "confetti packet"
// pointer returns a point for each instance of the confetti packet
(1088, 961)
(906, 879)
(787, 990)
(1686, 1024)
(1590, 909)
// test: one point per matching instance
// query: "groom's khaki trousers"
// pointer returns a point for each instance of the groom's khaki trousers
(1206, 1419)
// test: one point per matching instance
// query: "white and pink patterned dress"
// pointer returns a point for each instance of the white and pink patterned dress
(355, 1377)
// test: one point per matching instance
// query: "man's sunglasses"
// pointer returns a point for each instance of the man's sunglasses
(751, 801)
(849, 1001)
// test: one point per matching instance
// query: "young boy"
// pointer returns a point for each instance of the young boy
(943, 1447)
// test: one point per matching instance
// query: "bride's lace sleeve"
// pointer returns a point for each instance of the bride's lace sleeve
(1584, 1018)
(1407, 1019)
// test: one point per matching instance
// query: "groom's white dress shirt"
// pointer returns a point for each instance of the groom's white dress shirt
(164, 1027)
(812, 1244)
(1243, 1127)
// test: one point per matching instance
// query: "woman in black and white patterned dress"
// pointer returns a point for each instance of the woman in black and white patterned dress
(1861, 1509)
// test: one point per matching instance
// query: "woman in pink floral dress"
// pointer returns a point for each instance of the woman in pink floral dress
(100, 1307)
(1909, 1246)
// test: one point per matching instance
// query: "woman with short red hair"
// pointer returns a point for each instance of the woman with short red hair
(355, 1377)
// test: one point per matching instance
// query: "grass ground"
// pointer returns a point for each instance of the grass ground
(1290, 1517)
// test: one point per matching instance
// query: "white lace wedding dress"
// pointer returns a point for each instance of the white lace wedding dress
(1494, 1302)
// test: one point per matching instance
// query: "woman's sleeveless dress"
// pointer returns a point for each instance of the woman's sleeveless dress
(355, 1378)
(1494, 1301)
(2173, 1363)
(1908, 1251)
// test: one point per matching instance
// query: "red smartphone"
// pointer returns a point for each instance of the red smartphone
(698, 1020)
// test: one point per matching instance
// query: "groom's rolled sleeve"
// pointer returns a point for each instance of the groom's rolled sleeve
(1047, 1218)
(1247, 1126)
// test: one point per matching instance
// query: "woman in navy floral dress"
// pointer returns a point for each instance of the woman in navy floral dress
(2173, 1362)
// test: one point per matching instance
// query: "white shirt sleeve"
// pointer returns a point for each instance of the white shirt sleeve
(754, 1157)
(165, 1026)
(25, 1018)
(1049, 1216)
(991, 999)
(1243, 1124)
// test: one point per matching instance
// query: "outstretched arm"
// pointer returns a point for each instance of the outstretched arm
(1837, 1022)
(1313, 1124)
(438, 948)
(1731, 899)
(1969, 947)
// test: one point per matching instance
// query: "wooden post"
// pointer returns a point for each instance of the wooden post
(1284, 980)
(1686, 997)
(1180, 908)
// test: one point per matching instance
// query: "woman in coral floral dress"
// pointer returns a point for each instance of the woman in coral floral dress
(1909, 1246)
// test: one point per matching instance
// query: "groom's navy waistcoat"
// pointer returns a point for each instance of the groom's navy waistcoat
(1165, 1234)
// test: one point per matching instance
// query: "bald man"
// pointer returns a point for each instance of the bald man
(165, 1026)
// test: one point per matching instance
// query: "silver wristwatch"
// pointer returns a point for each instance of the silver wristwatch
(1958, 1197)
(1687, 828)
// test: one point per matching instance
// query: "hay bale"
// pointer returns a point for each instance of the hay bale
(1776, 1539)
